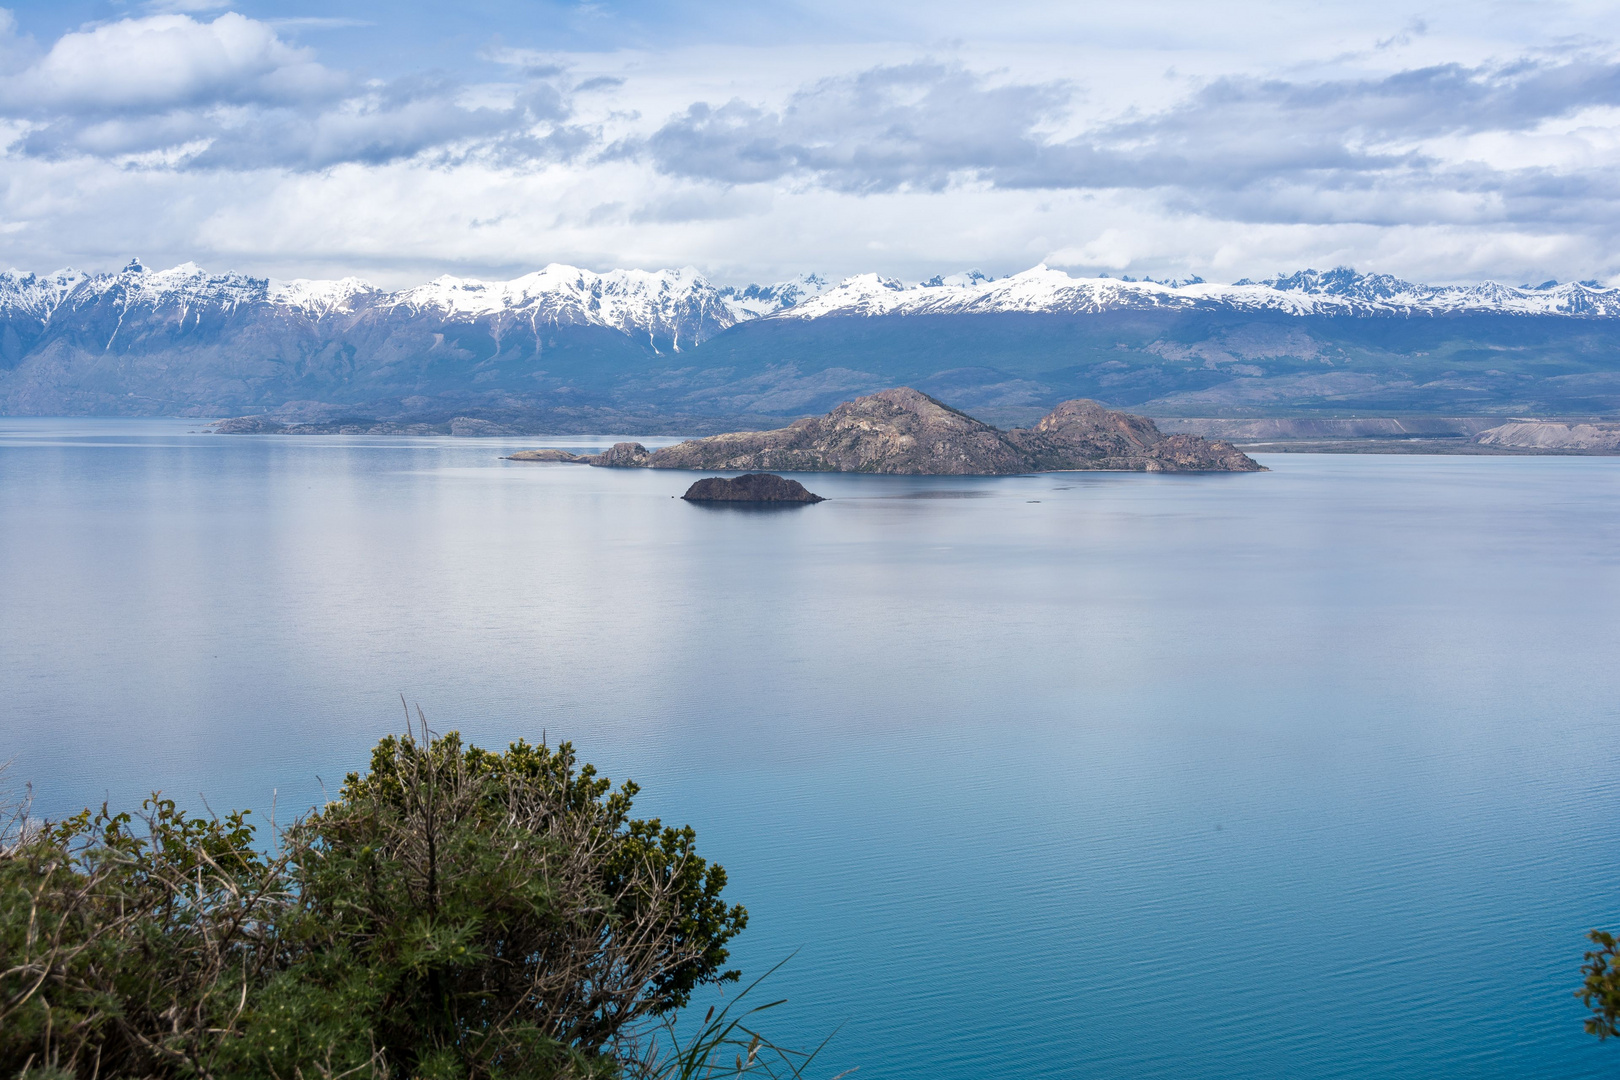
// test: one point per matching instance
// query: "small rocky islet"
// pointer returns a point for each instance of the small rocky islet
(751, 488)
(905, 432)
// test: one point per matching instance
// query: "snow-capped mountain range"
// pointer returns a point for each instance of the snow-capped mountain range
(567, 345)
(668, 307)
(675, 309)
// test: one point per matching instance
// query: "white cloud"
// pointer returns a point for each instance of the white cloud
(1153, 138)
(165, 61)
(403, 222)
(171, 91)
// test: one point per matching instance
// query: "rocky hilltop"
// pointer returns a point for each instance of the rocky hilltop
(1086, 435)
(903, 431)
(892, 431)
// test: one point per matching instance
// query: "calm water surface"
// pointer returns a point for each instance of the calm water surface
(1303, 774)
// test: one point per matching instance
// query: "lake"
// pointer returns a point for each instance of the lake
(1308, 773)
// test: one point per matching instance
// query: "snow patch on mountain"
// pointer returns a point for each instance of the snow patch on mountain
(677, 306)
(756, 301)
(615, 294)
(186, 285)
(321, 298)
(32, 295)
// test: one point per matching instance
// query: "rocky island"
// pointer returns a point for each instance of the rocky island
(751, 488)
(548, 454)
(903, 431)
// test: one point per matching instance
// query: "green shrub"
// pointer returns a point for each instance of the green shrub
(454, 913)
(130, 951)
(1600, 992)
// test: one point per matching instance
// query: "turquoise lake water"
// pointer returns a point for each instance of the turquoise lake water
(1309, 773)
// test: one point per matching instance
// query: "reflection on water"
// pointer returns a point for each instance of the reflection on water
(722, 507)
(1308, 773)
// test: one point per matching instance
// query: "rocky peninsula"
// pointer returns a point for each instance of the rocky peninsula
(548, 454)
(1554, 436)
(905, 432)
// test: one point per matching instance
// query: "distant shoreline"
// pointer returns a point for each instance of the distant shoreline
(1494, 436)
(1440, 447)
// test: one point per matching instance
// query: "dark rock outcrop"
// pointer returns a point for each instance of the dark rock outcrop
(623, 455)
(907, 432)
(752, 488)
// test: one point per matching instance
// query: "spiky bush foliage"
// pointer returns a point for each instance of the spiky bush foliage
(454, 913)
(130, 949)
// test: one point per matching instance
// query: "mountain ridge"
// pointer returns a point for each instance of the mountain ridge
(563, 346)
(673, 302)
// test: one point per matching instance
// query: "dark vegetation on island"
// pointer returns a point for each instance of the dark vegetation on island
(750, 488)
(455, 914)
(903, 431)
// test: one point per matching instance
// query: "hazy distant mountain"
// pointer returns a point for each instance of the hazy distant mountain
(565, 347)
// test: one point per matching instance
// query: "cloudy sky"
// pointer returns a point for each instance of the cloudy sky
(1449, 141)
